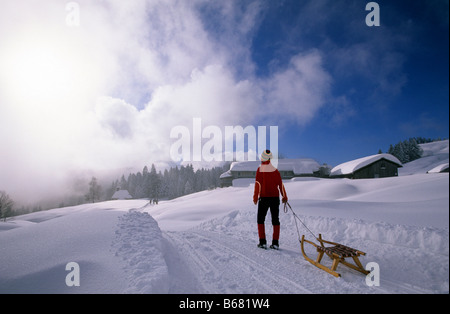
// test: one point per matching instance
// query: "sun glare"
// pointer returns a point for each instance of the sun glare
(45, 77)
(42, 71)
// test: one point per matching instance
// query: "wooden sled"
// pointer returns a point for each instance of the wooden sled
(338, 253)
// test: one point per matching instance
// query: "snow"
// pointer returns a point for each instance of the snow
(354, 165)
(434, 154)
(206, 242)
(245, 165)
(299, 166)
(435, 148)
(439, 168)
(226, 174)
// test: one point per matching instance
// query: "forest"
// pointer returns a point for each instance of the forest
(409, 150)
(170, 184)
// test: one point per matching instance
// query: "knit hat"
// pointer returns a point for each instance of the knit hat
(266, 155)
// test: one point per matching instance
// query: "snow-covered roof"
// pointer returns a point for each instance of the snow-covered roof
(226, 175)
(121, 195)
(354, 165)
(439, 168)
(245, 166)
(298, 166)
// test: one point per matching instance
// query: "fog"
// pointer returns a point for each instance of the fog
(101, 96)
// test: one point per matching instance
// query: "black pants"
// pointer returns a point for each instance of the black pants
(263, 206)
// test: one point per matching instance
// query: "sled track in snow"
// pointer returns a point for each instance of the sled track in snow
(227, 265)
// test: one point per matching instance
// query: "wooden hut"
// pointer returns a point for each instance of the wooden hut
(288, 168)
(374, 166)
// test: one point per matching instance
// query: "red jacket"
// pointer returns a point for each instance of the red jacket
(268, 183)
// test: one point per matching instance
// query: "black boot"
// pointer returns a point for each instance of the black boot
(275, 245)
(262, 244)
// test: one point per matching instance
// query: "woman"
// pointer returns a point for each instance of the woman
(268, 187)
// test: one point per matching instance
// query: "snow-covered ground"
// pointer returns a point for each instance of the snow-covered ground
(206, 242)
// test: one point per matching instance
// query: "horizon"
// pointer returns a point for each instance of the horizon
(88, 87)
(115, 176)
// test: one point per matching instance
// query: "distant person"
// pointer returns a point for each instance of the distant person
(268, 187)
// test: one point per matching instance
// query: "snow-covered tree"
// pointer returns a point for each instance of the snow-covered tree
(6, 205)
(174, 182)
(406, 151)
(154, 183)
(94, 191)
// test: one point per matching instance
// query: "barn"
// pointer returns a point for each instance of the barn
(374, 166)
(288, 168)
(121, 195)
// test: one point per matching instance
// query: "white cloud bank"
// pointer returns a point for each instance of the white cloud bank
(139, 68)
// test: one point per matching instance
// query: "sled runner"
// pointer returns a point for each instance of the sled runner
(338, 253)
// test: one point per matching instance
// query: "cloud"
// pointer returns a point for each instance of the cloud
(117, 117)
(147, 66)
(298, 91)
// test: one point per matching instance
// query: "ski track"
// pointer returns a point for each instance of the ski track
(221, 257)
(226, 264)
(231, 263)
(226, 268)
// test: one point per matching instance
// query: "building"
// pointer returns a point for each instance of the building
(288, 168)
(439, 169)
(121, 195)
(375, 166)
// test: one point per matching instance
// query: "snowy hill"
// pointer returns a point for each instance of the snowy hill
(434, 154)
(206, 242)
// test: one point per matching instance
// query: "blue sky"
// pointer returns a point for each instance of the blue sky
(398, 90)
(96, 87)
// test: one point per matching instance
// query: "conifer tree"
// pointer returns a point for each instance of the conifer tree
(6, 205)
(94, 191)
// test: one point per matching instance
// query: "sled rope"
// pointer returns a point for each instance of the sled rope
(286, 205)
